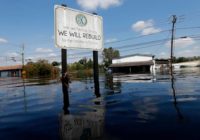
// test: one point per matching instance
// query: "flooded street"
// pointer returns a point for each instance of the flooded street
(130, 107)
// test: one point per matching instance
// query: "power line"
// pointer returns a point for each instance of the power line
(140, 44)
(153, 45)
(186, 28)
(136, 37)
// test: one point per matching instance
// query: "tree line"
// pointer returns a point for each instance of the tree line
(84, 66)
(185, 59)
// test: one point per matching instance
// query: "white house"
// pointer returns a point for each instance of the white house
(136, 63)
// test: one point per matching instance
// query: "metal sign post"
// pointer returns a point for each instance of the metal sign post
(64, 57)
(96, 73)
(76, 29)
(64, 61)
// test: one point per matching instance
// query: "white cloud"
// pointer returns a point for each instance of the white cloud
(150, 30)
(52, 54)
(2, 40)
(43, 50)
(91, 5)
(163, 55)
(193, 51)
(145, 27)
(140, 25)
(182, 42)
(29, 58)
(183, 47)
(12, 54)
(186, 53)
(110, 40)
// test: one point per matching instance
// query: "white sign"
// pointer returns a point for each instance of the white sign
(76, 29)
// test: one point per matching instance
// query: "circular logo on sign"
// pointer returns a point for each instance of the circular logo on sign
(81, 20)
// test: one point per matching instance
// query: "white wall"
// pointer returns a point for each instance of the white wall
(132, 59)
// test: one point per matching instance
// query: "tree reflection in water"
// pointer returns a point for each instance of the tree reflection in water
(114, 87)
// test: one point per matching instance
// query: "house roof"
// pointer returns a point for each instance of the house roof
(130, 64)
(137, 54)
(15, 67)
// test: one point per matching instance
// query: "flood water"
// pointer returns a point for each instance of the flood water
(135, 107)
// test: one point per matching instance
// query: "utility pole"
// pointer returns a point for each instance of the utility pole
(172, 39)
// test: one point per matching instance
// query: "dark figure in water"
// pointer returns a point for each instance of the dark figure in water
(66, 79)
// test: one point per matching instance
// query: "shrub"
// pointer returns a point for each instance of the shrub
(40, 68)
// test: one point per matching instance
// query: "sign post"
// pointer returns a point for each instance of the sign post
(76, 29)
(96, 73)
(64, 57)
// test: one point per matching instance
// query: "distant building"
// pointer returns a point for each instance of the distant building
(136, 63)
(11, 71)
(161, 64)
(187, 64)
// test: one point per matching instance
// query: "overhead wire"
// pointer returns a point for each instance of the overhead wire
(136, 37)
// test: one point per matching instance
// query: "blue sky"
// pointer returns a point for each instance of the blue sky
(31, 22)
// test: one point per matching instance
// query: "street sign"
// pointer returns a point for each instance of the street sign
(76, 29)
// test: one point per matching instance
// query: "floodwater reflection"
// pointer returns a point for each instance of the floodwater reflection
(65, 99)
(113, 86)
(82, 125)
(180, 116)
(138, 108)
(134, 78)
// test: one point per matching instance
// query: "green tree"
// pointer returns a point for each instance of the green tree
(81, 68)
(108, 55)
(55, 63)
(89, 64)
(83, 61)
